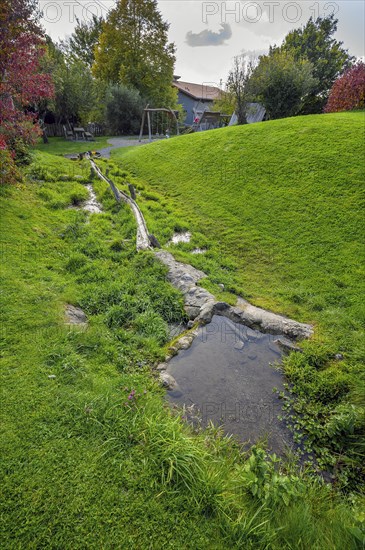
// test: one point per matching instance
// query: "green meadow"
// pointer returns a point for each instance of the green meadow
(279, 209)
(91, 455)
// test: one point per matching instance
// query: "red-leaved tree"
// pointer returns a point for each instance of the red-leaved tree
(348, 92)
(22, 83)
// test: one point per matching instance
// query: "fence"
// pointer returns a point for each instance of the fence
(56, 130)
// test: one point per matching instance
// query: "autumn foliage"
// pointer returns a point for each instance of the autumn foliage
(22, 83)
(348, 92)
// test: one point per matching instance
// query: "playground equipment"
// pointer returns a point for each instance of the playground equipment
(162, 118)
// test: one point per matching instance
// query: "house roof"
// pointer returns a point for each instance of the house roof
(198, 91)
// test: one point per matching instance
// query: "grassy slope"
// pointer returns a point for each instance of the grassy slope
(74, 469)
(279, 205)
(79, 468)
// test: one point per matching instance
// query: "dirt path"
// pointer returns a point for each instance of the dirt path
(117, 142)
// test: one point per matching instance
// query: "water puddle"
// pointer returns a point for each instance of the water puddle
(92, 205)
(199, 251)
(226, 377)
(180, 238)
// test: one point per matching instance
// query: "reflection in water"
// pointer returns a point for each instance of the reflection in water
(227, 377)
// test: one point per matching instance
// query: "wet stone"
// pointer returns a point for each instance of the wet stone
(175, 394)
(239, 345)
(75, 315)
(168, 381)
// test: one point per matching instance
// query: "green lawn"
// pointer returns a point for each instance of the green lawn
(279, 206)
(85, 461)
(60, 146)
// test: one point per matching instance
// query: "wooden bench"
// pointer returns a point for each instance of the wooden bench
(69, 135)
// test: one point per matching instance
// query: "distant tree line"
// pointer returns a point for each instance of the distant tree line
(108, 70)
(295, 78)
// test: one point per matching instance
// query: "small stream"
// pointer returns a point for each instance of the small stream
(92, 205)
(227, 377)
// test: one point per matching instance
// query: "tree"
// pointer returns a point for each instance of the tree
(329, 59)
(80, 46)
(281, 83)
(134, 51)
(237, 85)
(124, 108)
(23, 84)
(226, 103)
(75, 95)
(348, 92)
(17, 18)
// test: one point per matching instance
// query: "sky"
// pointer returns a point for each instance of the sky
(208, 34)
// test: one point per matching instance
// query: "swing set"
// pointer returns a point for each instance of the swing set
(159, 122)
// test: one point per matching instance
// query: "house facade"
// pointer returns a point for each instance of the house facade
(195, 98)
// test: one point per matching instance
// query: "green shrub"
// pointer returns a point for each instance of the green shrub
(9, 174)
(123, 110)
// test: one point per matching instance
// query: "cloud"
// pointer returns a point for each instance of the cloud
(209, 38)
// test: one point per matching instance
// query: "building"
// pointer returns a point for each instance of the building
(198, 99)
(195, 98)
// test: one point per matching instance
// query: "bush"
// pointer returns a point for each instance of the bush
(280, 83)
(348, 92)
(123, 110)
(9, 175)
(23, 154)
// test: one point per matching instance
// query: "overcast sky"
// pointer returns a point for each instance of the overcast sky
(208, 34)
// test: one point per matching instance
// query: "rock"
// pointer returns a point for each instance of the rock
(190, 324)
(153, 241)
(161, 367)
(185, 342)
(200, 305)
(207, 312)
(168, 381)
(52, 376)
(339, 357)
(239, 345)
(220, 306)
(221, 286)
(75, 316)
(192, 312)
(287, 346)
(253, 334)
(175, 393)
(273, 346)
